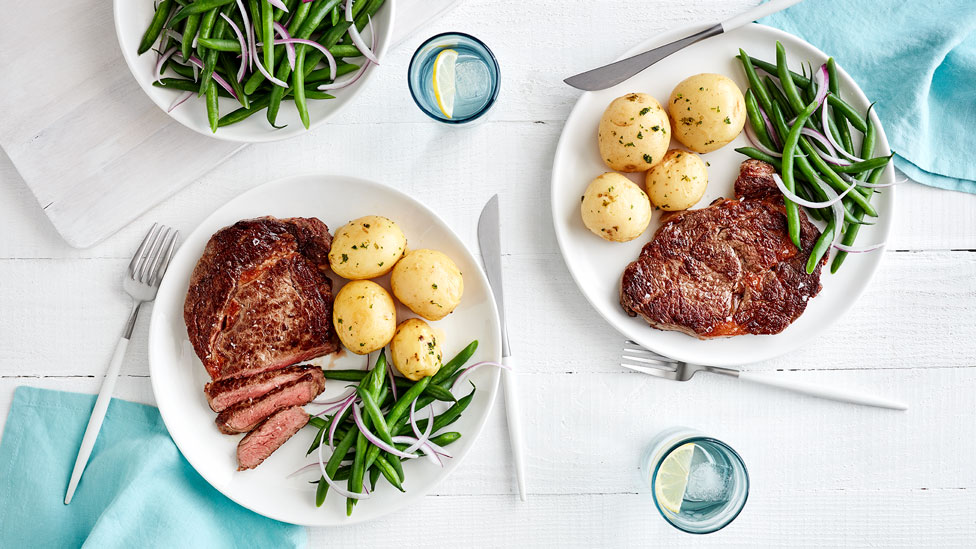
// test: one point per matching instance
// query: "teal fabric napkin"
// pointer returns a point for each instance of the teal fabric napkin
(138, 490)
(917, 59)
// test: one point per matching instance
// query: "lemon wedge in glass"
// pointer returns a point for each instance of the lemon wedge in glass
(444, 88)
(672, 477)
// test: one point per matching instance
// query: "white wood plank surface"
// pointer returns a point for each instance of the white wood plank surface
(823, 473)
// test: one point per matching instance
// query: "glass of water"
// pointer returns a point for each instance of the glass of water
(699, 484)
(454, 78)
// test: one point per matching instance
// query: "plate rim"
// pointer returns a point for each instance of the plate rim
(272, 134)
(563, 239)
(156, 333)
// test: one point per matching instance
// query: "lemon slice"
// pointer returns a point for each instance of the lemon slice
(672, 477)
(444, 81)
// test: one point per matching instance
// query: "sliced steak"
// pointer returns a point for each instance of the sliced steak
(259, 298)
(227, 392)
(727, 269)
(245, 415)
(268, 436)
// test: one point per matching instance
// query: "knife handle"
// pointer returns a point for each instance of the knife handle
(757, 12)
(514, 425)
(841, 394)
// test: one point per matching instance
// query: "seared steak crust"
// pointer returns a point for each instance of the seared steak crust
(259, 298)
(227, 392)
(247, 414)
(267, 437)
(727, 269)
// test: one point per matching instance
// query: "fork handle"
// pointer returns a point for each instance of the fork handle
(101, 406)
(823, 391)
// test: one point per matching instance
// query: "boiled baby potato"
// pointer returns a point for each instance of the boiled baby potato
(364, 316)
(414, 350)
(615, 208)
(678, 182)
(428, 283)
(708, 112)
(367, 247)
(633, 133)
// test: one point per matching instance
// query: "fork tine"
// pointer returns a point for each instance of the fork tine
(142, 249)
(657, 372)
(648, 352)
(659, 364)
(159, 268)
(152, 254)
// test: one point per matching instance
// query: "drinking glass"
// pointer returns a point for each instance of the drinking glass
(476, 81)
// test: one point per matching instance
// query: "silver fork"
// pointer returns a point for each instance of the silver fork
(643, 360)
(141, 281)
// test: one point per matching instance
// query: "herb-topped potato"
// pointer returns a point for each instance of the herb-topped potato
(615, 208)
(678, 182)
(367, 247)
(428, 283)
(708, 111)
(414, 350)
(633, 133)
(364, 316)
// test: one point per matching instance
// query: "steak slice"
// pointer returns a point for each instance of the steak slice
(245, 415)
(268, 436)
(227, 392)
(728, 269)
(259, 298)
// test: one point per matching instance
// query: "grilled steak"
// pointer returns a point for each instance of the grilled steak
(267, 437)
(259, 299)
(727, 269)
(246, 414)
(227, 392)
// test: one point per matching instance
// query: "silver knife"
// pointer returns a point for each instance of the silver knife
(489, 240)
(615, 73)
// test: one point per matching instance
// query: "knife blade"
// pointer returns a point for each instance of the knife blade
(489, 240)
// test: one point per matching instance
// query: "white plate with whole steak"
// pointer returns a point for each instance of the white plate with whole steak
(242, 328)
(720, 283)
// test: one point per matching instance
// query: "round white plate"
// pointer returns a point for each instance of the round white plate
(132, 17)
(178, 376)
(597, 265)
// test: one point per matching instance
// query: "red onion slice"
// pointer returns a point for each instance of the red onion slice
(175, 35)
(769, 128)
(289, 49)
(332, 484)
(807, 203)
(312, 43)
(824, 119)
(393, 388)
(332, 429)
(853, 250)
(467, 371)
(279, 4)
(754, 139)
(162, 60)
(180, 100)
(304, 469)
(831, 154)
(439, 450)
(425, 436)
(822, 79)
(337, 399)
(247, 32)
(357, 39)
(358, 74)
(244, 49)
(217, 78)
(375, 440)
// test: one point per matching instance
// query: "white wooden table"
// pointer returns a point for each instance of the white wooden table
(823, 473)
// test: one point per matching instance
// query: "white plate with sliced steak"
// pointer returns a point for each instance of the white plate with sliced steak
(720, 284)
(241, 330)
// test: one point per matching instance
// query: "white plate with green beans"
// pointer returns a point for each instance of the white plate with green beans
(596, 264)
(273, 489)
(206, 62)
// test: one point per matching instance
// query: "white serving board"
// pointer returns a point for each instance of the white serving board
(93, 149)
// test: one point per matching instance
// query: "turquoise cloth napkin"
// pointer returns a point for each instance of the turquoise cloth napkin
(917, 59)
(138, 490)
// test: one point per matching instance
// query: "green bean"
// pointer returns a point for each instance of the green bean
(374, 475)
(444, 439)
(398, 411)
(335, 16)
(449, 416)
(447, 370)
(867, 143)
(345, 375)
(869, 164)
(822, 246)
(373, 411)
(756, 120)
(384, 466)
(298, 84)
(753, 152)
(323, 75)
(267, 24)
(345, 50)
(337, 456)
(155, 26)
(789, 150)
(220, 44)
(849, 112)
(182, 70)
(197, 7)
(185, 85)
(212, 114)
(210, 59)
(257, 105)
(778, 97)
(316, 421)
(762, 94)
(189, 32)
(280, 14)
(355, 484)
(440, 393)
(232, 78)
(321, 491)
(789, 87)
(206, 27)
(839, 121)
(850, 234)
(312, 93)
